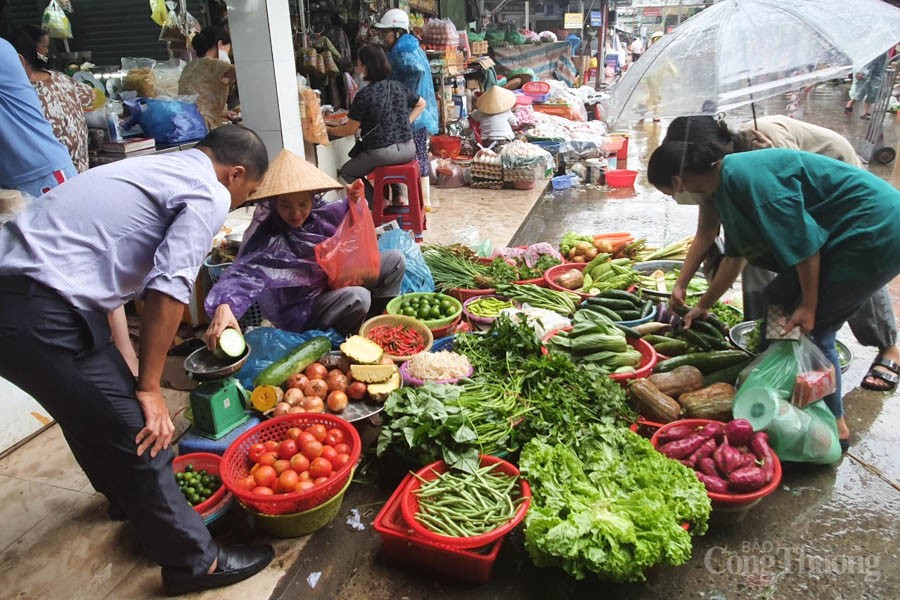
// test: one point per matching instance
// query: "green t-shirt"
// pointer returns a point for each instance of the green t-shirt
(779, 207)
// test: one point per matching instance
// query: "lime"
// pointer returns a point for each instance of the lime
(435, 312)
(189, 468)
(447, 307)
(409, 312)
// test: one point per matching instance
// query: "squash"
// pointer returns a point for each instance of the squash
(712, 402)
(679, 381)
(653, 404)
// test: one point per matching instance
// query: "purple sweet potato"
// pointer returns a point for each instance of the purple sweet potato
(727, 458)
(675, 433)
(760, 446)
(704, 451)
(714, 430)
(739, 432)
(684, 447)
(748, 459)
(748, 479)
(707, 466)
(713, 483)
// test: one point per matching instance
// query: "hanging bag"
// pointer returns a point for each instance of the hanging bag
(350, 257)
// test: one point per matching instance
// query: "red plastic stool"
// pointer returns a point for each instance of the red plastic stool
(411, 217)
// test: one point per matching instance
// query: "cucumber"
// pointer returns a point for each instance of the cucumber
(629, 315)
(647, 309)
(607, 312)
(621, 295)
(601, 258)
(707, 362)
(660, 339)
(707, 329)
(294, 361)
(231, 344)
(728, 375)
(630, 333)
(613, 304)
(671, 348)
(695, 339)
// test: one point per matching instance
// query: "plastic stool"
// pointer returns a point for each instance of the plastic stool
(192, 442)
(410, 218)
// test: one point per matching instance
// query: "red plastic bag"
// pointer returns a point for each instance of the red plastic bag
(350, 256)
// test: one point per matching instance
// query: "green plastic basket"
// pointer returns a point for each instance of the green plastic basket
(433, 324)
(302, 523)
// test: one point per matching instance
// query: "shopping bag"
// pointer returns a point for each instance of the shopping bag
(171, 121)
(417, 277)
(781, 393)
(350, 256)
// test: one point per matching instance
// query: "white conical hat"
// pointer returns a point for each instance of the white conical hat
(289, 173)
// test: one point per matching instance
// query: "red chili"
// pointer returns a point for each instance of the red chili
(398, 340)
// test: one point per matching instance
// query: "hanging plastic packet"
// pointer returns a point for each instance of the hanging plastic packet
(55, 22)
(158, 12)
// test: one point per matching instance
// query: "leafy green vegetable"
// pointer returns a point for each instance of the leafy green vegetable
(608, 503)
(729, 315)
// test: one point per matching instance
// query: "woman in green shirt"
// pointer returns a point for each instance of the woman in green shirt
(831, 231)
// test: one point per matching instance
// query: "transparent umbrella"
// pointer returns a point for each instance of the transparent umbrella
(740, 51)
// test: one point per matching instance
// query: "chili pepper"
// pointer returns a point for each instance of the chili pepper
(398, 340)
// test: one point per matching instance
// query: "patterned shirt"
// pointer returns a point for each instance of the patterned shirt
(211, 79)
(113, 231)
(382, 110)
(64, 101)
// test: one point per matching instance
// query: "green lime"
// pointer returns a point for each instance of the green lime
(436, 312)
(189, 468)
(447, 307)
(409, 312)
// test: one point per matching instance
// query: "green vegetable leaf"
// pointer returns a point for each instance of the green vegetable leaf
(465, 434)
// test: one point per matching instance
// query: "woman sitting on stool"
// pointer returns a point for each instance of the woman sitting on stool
(383, 111)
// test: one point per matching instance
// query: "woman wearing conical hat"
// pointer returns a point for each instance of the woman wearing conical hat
(276, 265)
(495, 115)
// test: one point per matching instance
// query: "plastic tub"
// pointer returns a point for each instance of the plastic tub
(203, 461)
(393, 321)
(236, 464)
(649, 358)
(444, 343)
(554, 272)
(446, 146)
(445, 331)
(409, 505)
(483, 321)
(564, 182)
(620, 177)
(399, 543)
(536, 88)
(729, 501)
(302, 523)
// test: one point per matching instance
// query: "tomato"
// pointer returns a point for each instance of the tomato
(287, 481)
(287, 449)
(299, 463)
(271, 446)
(247, 483)
(342, 448)
(265, 476)
(305, 437)
(304, 476)
(281, 466)
(304, 484)
(316, 371)
(268, 458)
(256, 450)
(317, 431)
(294, 433)
(328, 453)
(337, 434)
(320, 467)
(254, 468)
(320, 480)
(340, 460)
(312, 450)
(262, 490)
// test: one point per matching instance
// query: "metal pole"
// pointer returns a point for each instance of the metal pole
(527, 14)
(679, 14)
(601, 42)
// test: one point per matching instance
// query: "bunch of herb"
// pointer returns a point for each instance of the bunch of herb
(546, 261)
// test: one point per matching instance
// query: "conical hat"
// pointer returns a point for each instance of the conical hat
(290, 173)
(496, 100)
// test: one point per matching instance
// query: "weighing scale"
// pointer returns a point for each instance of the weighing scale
(219, 403)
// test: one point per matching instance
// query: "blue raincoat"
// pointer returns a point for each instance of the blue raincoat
(409, 66)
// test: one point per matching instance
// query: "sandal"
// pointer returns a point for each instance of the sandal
(866, 116)
(848, 110)
(891, 378)
(845, 445)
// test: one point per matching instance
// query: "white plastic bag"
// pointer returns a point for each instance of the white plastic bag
(55, 22)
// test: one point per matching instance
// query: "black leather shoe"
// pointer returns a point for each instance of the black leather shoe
(236, 563)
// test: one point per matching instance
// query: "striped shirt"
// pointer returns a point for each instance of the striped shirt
(110, 233)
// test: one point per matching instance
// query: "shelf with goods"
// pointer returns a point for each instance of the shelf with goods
(449, 69)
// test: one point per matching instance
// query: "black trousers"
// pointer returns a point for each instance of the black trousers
(64, 358)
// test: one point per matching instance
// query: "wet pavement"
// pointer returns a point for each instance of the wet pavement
(827, 532)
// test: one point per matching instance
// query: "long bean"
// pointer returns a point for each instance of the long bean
(538, 297)
(460, 504)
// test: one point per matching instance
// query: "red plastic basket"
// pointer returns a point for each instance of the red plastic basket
(620, 177)
(236, 464)
(463, 294)
(409, 504)
(554, 272)
(445, 331)
(399, 543)
(202, 461)
(726, 500)
(648, 357)
(536, 88)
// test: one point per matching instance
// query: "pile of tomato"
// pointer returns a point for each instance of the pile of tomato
(304, 459)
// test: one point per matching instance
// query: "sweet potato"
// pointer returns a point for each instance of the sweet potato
(674, 433)
(739, 432)
(713, 484)
(748, 479)
(707, 466)
(727, 458)
(759, 443)
(704, 451)
(682, 448)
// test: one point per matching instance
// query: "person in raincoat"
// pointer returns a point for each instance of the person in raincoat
(276, 265)
(410, 66)
(874, 324)
(866, 86)
(830, 230)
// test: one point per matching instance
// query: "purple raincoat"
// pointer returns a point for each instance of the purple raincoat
(276, 266)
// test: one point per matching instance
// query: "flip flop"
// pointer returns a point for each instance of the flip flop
(891, 378)
(848, 110)
(866, 116)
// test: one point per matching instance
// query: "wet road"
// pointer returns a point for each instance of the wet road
(827, 532)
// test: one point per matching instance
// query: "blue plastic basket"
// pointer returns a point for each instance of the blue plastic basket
(253, 317)
(445, 343)
(551, 147)
(641, 321)
(564, 182)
